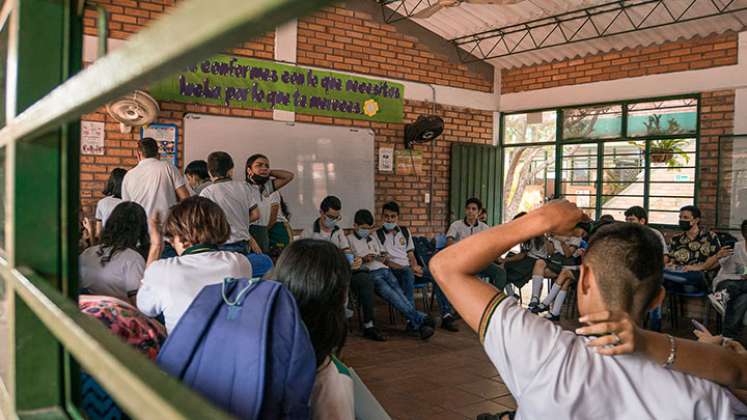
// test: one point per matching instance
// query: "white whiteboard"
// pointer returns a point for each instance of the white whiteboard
(327, 160)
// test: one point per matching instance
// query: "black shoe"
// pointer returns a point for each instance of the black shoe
(539, 309)
(533, 304)
(426, 332)
(373, 333)
(447, 323)
(429, 321)
(553, 318)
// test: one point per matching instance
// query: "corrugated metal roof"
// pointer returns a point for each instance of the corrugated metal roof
(467, 19)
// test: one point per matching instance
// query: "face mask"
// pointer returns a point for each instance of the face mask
(685, 225)
(329, 223)
(390, 226)
(363, 233)
(260, 180)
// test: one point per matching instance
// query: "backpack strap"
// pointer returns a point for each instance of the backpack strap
(406, 234)
(381, 233)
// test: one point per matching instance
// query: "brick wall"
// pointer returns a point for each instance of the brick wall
(342, 39)
(126, 17)
(693, 54)
(462, 125)
(321, 45)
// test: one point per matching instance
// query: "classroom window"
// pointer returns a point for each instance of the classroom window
(606, 158)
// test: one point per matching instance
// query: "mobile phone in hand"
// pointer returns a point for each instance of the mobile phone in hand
(701, 327)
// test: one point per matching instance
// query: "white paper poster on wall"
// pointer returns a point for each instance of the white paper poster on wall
(386, 159)
(92, 138)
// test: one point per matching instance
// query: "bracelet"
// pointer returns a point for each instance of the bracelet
(672, 353)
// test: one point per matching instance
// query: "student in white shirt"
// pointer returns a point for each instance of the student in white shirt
(236, 199)
(553, 373)
(112, 197)
(265, 181)
(384, 281)
(469, 226)
(396, 241)
(115, 266)
(318, 275)
(197, 176)
(195, 227)
(154, 184)
(325, 228)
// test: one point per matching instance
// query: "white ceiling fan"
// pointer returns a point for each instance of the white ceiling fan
(437, 5)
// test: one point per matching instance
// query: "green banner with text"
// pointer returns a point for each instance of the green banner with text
(226, 80)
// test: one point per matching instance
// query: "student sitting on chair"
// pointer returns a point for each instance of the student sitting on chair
(325, 228)
(731, 287)
(385, 283)
(318, 275)
(469, 226)
(115, 266)
(691, 254)
(519, 266)
(112, 197)
(197, 176)
(561, 252)
(553, 373)
(154, 184)
(236, 199)
(264, 181)
(196, 227)
(567, 273)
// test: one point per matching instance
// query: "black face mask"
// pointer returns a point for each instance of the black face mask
(685, 225)
(259, 180)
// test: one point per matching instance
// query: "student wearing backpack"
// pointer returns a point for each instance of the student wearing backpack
(195, 227)
(317, 273)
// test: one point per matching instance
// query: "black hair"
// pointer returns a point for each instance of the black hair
(114, 183)
(318, 275)
(693, 210)
(474, 200)
(148, 147)
(743, 228)
(391, 206)
(219, 163)
(284, 207)
(198, 168)
(638, 212)
(126, 227)
(330, 202)
(607, 218)
(363, 217)
(250, 161)
(627, 260)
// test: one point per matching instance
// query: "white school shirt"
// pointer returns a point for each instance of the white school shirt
(460, 229)
(396, 246)
(117, 278)
(553, 375)
(265, 207)
(333, 397)
(733, 267)
(337, 236)
(366, 246)
(104, 208)
(170, 285)
(152, 184)
(236, 200)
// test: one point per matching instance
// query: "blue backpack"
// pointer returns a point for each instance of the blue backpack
(243, 346)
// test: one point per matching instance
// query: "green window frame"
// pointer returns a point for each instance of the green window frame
(616, 154)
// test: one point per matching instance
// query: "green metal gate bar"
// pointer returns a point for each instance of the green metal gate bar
(39, 152)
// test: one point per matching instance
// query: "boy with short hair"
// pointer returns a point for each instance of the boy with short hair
(154, 184)
(396, 241)
(385, 283)
(237, 200)
(325, 228)
(469, 226)
(195, 227)
(197, 175)
(621, 271)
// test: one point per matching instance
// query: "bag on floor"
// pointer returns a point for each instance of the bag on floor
(243, 346)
